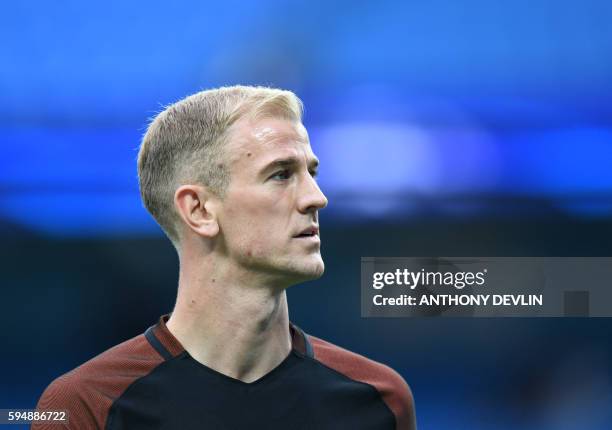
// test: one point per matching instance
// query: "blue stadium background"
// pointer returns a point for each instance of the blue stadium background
(474, 128)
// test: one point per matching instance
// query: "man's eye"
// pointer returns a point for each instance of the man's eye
(281, 175)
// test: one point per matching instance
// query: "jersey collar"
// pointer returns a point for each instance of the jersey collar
(168, 346)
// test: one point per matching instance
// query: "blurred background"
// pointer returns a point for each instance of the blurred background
(473, 128)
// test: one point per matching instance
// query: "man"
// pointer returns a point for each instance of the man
(230, 177)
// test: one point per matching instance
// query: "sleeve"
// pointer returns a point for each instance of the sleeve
(65, 394)
(397, 395)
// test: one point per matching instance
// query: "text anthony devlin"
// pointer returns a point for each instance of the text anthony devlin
(482, 300)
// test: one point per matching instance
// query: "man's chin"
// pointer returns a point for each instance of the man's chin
(307, 272)
(291, 272)
(314, 272)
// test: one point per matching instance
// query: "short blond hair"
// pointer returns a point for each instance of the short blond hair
(184, 144)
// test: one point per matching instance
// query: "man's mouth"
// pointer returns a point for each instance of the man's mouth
(309, 232)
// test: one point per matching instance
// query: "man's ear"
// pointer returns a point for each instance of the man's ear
(196, 206)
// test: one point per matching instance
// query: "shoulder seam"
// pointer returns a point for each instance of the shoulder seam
(109, 415)
(380, 396)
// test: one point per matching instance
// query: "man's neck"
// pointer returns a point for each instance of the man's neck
(238, 330)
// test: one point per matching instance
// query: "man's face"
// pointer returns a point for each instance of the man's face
(269, 215)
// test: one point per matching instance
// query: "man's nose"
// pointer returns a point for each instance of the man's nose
(312, 198)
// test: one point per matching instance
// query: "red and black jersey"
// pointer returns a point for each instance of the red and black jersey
(151, 382)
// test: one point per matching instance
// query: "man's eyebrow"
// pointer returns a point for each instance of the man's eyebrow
(290, 162)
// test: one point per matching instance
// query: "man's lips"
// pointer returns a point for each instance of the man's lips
(312, 231)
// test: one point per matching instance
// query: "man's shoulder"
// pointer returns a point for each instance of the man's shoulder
(392, 387)
(88, 391)
(350, 363)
